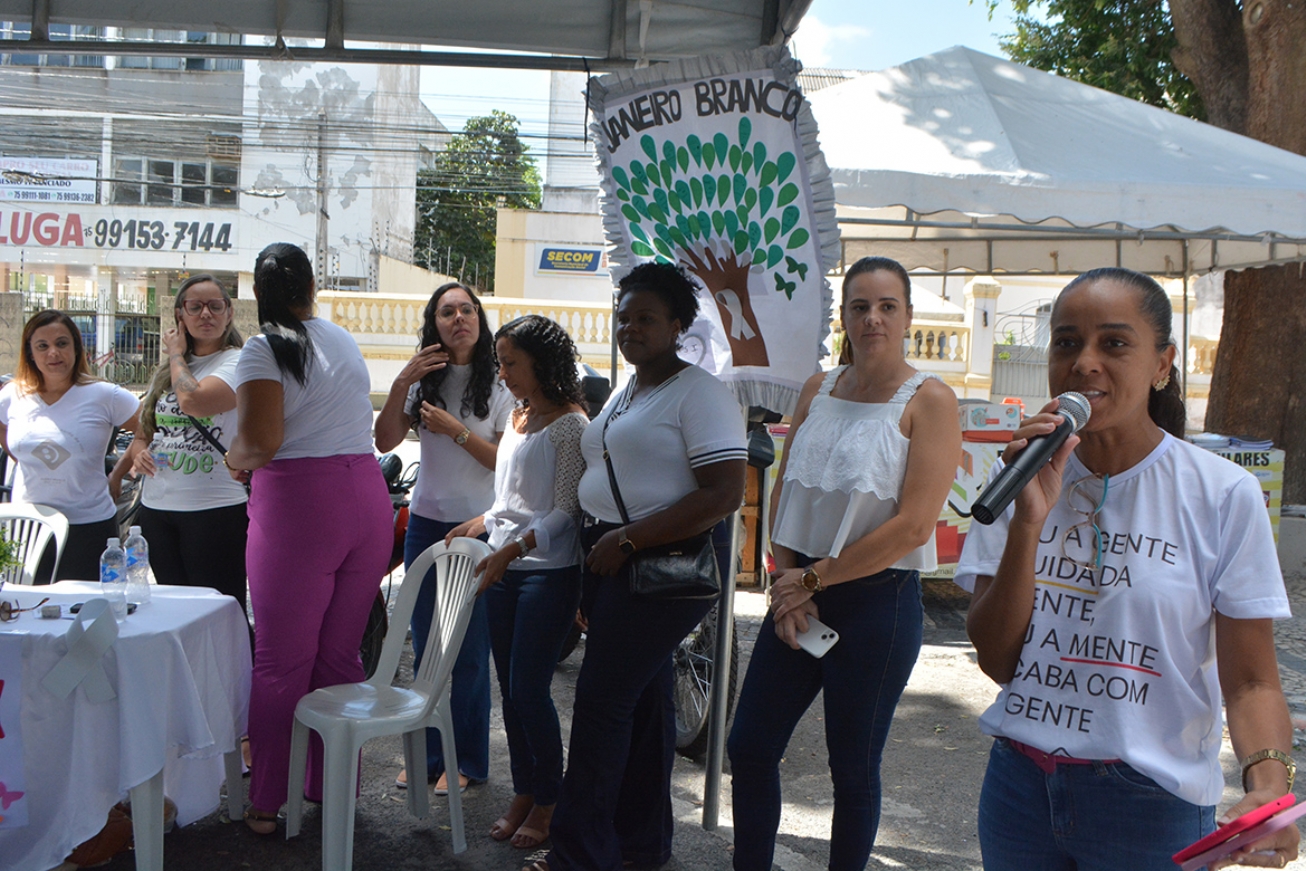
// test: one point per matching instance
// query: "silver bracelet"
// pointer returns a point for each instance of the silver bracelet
(521, 543)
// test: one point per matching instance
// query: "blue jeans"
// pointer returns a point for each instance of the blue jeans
(879, 624)
(1098, 817)
(530, 614)
(469, 697)
(615, 804)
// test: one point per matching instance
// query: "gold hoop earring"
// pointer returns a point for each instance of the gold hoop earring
(1162, 384)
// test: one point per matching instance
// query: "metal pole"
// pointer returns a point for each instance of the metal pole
(717, 703)
(1183, 357)
(321, 198)
(612, 336)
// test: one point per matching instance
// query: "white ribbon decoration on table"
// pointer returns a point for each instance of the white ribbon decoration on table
(739, 327)
(90, 636)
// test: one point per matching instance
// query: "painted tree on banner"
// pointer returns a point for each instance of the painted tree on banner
(725, 211)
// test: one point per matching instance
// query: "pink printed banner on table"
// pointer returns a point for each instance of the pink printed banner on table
(713, 163)
(13, 783)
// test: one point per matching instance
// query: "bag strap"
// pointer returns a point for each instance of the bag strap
(612, 475)
(207, 433)
(607, 460)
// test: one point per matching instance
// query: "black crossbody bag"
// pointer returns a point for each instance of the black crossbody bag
(685, 569)
(213, 440)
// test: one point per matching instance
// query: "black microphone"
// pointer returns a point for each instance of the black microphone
(1074, 410)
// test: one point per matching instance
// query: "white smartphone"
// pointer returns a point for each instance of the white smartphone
(818, 639)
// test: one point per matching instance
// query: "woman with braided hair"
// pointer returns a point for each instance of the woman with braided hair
(531, 583)
(306, 431)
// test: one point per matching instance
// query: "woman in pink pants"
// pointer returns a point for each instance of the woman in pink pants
(320, 518)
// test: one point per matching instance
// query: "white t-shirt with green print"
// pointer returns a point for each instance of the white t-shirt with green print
(195, 478)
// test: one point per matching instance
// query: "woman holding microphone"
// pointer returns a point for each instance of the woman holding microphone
(1108, 724)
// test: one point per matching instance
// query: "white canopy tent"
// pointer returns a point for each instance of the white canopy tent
(960, 161)
(566, 34)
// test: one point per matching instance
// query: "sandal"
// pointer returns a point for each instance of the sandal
(261, 822)
(507, 825)
(537, 865)
(534, 830)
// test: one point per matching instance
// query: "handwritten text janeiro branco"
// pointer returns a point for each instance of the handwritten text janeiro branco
(709, 97)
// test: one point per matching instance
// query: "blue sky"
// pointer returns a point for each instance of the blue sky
(847, 34)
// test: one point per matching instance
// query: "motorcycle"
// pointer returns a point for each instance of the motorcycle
(399, 481)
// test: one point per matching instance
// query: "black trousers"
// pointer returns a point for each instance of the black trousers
(81, 552)
(199, 548)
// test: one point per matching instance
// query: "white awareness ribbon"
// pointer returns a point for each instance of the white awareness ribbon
(739, 328)
(90, 636)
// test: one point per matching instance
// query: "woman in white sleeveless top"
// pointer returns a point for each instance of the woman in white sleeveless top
(869, 460)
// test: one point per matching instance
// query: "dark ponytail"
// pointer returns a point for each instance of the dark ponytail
(1164, 406)
(283, 277)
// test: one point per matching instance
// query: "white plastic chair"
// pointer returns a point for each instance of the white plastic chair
(31, 527)
(349, 715)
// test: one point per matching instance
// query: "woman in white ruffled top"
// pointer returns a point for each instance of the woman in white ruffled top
(869, 460)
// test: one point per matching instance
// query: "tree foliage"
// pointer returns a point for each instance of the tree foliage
(485, 167)
(1122, 46)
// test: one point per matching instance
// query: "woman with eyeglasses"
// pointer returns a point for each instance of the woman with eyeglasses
(192, 512)
(450, 392)
(1127, 591)
(56, 420)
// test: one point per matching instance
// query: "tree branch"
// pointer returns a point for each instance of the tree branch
(1212, 53)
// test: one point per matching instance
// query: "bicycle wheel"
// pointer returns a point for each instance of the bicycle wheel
(695, 666)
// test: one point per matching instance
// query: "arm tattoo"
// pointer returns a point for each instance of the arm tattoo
(186, 383)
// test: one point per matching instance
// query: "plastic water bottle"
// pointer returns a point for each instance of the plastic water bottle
(138, 567)
(113, 578)
(158, 453)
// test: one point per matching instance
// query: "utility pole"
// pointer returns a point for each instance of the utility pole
(322, 216)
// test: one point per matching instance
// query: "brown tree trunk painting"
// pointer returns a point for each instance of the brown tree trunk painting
(727, 280)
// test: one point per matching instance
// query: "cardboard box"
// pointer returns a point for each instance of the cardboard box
(988, 416)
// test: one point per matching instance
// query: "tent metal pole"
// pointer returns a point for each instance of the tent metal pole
(718, 701)
(1183, 359)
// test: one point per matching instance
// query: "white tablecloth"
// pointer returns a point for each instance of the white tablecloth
(181, 668)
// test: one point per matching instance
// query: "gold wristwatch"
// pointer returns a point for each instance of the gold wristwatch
(811, 580)
(1270, 753)
(627, 546)
(461, 438)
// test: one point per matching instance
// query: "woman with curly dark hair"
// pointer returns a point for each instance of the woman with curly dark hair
(532, 580)
(449, 391)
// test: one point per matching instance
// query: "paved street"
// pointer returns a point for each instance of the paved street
(932, 773)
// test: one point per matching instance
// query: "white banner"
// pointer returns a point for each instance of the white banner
(13, 783)
(38, 180)
(712, 163)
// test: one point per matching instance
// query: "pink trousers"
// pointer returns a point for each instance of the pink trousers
(320, 537)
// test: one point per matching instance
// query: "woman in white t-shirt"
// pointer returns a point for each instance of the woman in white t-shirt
(56, 420)
(449, 391)
(1129, 588)
(675, 436)
(320, 517)
(870, 459)
(531, 583)
(192, 512)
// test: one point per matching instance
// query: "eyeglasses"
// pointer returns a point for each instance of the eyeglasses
(9, 611)
(193, 307)
(449, 312)
(1083, 499)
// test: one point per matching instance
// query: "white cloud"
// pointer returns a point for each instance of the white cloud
(815, 42)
